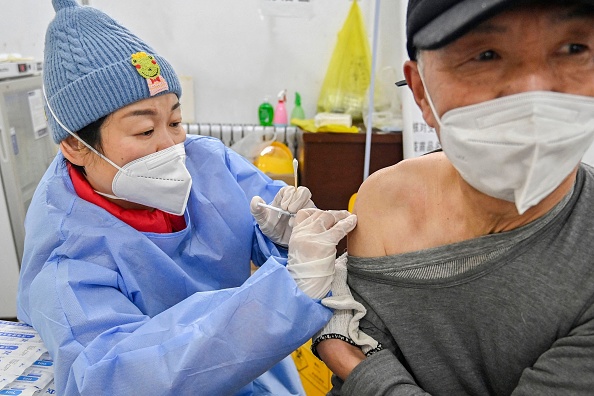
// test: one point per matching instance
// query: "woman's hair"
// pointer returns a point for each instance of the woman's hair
(91, 134)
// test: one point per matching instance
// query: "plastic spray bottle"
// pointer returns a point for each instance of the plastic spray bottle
(280, 113)
(266, 113)
(297, 112)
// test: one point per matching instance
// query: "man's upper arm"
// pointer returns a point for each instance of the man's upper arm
(568, 365)
(366, 239)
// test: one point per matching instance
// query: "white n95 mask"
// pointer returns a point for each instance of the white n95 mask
(159, 180)
(518, 148)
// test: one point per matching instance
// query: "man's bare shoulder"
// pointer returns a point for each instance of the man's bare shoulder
(402, 185)
(392, 201)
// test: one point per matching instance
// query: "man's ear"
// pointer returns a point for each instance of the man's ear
(74, 151)
(413, 79)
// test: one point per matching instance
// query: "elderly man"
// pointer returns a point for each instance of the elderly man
(475, 264)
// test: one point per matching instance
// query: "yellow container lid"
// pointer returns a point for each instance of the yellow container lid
(275, 158)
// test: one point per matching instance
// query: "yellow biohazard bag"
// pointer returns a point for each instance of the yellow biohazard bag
(349, 72)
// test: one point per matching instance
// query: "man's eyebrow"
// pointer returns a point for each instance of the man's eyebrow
(149, 112)
(489, 27)
(577, 12)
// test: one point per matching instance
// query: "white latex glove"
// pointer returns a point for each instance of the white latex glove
(278, 228)
(312, 248)
(344, 324)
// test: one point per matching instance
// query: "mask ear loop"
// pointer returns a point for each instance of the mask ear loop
(429, 100)
(76, 136)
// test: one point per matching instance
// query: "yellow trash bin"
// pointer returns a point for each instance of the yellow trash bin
(315, 375)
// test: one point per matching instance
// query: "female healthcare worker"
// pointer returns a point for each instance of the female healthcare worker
(136, 270)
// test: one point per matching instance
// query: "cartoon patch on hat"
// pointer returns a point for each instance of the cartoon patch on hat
(146, 65)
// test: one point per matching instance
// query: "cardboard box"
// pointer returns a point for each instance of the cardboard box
(314, 374)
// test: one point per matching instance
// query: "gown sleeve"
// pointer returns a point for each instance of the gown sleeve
(254, 182)
(210, 343)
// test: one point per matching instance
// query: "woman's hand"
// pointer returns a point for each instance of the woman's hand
(279, 228)
(312, 248)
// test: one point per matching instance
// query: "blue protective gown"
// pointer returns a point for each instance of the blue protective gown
(124, 312)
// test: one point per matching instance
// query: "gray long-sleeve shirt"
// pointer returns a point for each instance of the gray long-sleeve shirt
(507, 313)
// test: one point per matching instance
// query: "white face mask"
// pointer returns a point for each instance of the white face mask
(159, 180)
(518, 148)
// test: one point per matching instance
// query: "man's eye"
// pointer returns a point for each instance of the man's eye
(175, 124)
(147, 133)
(575, 48)
(487, 55)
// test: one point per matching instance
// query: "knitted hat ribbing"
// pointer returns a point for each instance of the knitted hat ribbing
(89, 71)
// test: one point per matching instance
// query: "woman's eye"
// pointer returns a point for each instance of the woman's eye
(147, 133)
(487, 55)
(175, 124)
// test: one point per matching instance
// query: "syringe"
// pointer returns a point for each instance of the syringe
(279, 210)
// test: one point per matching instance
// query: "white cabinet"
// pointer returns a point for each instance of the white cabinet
(26, 150)
(9, 265)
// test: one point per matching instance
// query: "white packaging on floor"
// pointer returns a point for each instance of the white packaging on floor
(25, 365)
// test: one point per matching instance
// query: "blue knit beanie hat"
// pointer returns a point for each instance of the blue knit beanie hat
(94, 66)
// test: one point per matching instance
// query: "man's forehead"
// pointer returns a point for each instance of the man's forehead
(509, 28)
(555, 14)
(434, 27)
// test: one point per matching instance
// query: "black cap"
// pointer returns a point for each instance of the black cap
(431, 24)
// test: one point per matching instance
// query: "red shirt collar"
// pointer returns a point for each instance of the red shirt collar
(143, 220)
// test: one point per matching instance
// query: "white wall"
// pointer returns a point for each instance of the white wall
(23, 26)
(234, 55)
